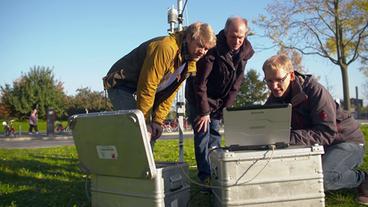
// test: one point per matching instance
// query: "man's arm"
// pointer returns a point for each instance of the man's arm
(323, 117)
(230, 98)
(204, 69)
(157, 61)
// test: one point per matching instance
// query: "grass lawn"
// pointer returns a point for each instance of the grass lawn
(51, 177)
(23, 126)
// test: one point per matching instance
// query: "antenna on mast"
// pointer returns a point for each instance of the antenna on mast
(176, 17)
(172, 18)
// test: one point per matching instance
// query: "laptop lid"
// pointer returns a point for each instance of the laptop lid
(114, 143)
(258, 125)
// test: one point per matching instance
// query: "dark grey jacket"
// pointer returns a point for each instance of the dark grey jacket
(218, 79)
(316, 117)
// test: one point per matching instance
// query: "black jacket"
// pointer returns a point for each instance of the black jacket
(219, 77)
(316, 117)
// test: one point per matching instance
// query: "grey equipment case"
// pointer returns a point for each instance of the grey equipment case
(278, 178)
(113, 147)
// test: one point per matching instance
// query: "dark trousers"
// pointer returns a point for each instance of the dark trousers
(31, 127)
(204, 142)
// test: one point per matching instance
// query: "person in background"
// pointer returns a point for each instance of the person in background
(219, 77)
(318, 119)
(33, 121)
(150, 75)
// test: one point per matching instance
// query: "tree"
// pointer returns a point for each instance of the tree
(86, 101)
(364, 70)
(37, 88)
(333, 29)
(252, 90)
(295, 57)
(4, 112)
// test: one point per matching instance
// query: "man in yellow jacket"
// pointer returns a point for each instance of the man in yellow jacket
(150, 75)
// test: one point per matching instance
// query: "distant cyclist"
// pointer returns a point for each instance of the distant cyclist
(33, 120)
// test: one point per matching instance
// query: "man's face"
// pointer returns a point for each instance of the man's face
(235, 36)
(196, 49)
(278, 81)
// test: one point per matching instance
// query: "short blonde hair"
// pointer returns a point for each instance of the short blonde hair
(202, 31)
(278, 62)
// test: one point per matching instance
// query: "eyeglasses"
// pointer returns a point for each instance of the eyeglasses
(277, 81)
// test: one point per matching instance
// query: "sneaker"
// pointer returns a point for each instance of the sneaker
(363, 192)
(205, 186)
(30, 133)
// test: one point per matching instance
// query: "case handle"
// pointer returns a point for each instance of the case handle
(176, 182)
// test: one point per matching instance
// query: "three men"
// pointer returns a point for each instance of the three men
(153, 72)
(219, 76)
(318, 119)
(149, 76)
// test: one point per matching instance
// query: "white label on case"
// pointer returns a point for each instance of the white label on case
(107, 152)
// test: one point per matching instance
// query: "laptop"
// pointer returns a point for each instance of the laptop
(257, 126)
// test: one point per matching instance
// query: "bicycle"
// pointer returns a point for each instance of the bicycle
(9, 128)
(59, 128)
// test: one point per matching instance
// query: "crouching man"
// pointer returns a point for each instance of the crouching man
(318, 119)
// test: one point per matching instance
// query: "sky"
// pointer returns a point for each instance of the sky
(81, 40)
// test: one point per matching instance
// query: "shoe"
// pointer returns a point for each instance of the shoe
(363, 192)
(30, 133)
(205, 187)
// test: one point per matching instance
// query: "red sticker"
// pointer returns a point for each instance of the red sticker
(323, 116)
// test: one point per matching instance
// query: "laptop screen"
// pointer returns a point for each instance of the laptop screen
(257, 125)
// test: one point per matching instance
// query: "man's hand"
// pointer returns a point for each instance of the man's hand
(156, 130)
(202, 122)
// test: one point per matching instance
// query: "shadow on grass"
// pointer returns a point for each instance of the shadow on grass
(197, 199)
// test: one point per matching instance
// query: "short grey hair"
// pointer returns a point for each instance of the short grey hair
(231, 20)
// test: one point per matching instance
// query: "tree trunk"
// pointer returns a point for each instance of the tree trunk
(345, 85)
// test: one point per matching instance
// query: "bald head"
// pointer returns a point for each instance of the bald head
(236, 22)
(236, 29)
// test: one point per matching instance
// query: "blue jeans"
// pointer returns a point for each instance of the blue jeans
(122, 99)
(203, 142)
(339, 166)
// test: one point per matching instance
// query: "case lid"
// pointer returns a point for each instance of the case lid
(114, 143)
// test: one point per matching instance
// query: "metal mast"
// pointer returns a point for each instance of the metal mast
(176, 17)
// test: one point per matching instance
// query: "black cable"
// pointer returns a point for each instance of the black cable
(184, 6)
(180, 18)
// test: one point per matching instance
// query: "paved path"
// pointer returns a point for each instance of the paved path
(36, 141)
(66, 139)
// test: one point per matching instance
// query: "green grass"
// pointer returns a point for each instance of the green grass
(23, 126)
(51, 177)
(41, 177)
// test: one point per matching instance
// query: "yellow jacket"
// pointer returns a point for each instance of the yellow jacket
(144, 68)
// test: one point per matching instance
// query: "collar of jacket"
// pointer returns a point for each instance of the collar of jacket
(297, 93)
(181, 42)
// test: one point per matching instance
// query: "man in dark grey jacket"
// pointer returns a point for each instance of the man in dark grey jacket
(318, 119)
(215, 86)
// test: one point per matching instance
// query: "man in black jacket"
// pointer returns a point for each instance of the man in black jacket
(318, 119)
(219, 77)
